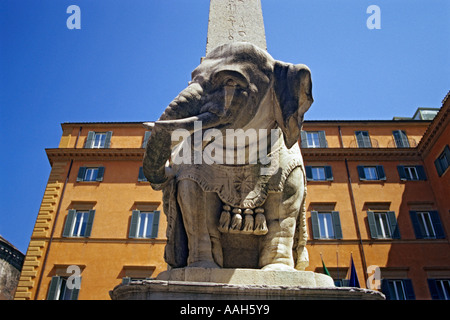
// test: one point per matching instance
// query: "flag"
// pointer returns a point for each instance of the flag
(325, 270)
(353, 282)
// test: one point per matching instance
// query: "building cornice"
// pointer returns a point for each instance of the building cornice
(377, 154)
(65, 154)
(309, 154)
(435, 129)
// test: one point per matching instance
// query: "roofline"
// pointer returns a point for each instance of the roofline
(305, 121)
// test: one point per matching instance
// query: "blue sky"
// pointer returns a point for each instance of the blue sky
(131, 58)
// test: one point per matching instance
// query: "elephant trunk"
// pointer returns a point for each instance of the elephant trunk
(159, 146)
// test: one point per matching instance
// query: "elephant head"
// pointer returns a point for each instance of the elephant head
(226, 91)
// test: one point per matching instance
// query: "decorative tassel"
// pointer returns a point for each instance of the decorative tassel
(260, 223)
(236, 222)
(248, 221)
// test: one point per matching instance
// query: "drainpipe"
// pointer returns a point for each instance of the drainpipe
(44, 263)
(355, 216)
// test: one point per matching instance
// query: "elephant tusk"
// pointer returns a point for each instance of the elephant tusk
(207, 120)
(149, 125)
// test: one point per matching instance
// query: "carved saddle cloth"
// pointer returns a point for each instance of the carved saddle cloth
(245, 186)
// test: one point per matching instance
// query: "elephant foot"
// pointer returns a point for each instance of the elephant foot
(278, 267)
(204, 264)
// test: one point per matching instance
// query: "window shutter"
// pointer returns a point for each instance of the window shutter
(393, 225)
(437, 225)
(141, 176)
(108, 139)
(385, 288)
(380, 172)
(53, 288)
(421, 172)
(304, 139)
(89, 223)
(336, 224)
(434, 292)
(416, 225)
(372, 224)
(409, 289)
(89, 139)
(69, 222)
(146, 137)
(308, 172)
(155, 225)
(401, 139)
(100, 174)
(322, 139)
(315, 225)
(363, 139)
(76, 291)
(81, 173)
(134, 223)
(438, 166)
(328, 173)
(362, 175)
(401, 172)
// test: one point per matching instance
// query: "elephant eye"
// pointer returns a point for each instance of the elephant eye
(230, 82)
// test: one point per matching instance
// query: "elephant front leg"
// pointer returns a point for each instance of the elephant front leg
(281, 210)
(200, 211)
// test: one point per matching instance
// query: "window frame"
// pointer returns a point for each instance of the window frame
(363, 139)
(83, 171)
(72, 221)
(441, 164)
(92, 138)
(401, 139)
(379, 169)
(438, 290)
(404, 172)
(321, 139)
(58, 284)
(420, 224)
(335, 223)
(135, 224)
(328, 173)
(389, 287)
(381, 221)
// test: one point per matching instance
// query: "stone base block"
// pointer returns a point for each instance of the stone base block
(239, 284)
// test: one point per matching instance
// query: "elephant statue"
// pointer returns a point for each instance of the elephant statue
(224, 199)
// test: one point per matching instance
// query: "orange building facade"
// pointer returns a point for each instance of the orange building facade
(378, 192)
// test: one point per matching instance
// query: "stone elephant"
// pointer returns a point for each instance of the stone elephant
(234, 204)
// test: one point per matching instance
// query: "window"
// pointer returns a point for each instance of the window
(146, 137)
(326, 225)
(144, 224)
(401, 139)
(319, 173)
(97, 140)
(60, 289)
(427, 225)
(398, 289)
(439, 289)
(141, 176)
(91, 174)
(383, 225)
(371, 173)
(363, 139)
(411, 173)
(79, 223)
(313, 139)
(443, 161)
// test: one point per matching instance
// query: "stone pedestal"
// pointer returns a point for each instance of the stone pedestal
(239, 284)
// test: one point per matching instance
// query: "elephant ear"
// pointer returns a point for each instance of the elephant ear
(293, 91)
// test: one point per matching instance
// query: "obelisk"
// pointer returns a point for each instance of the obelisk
(235, 21)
